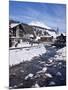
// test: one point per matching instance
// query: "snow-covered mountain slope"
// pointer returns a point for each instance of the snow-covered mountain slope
(40, 24)
(48, 29)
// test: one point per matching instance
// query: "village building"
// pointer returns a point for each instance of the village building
(25, 32)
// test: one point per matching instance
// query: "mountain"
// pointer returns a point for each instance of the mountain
(44, 28)
(40, 24)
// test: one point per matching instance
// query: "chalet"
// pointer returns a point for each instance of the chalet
(17, 30)
(20, 31)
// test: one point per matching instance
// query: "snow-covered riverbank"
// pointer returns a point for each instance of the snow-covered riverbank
(25, 54)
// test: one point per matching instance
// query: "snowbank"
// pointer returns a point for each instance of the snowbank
(61, 54)
(26, 54)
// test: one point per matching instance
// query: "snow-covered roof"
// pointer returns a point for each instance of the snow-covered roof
(14, 24)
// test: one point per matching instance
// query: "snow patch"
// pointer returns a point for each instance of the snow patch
(52, 83)
(36, 85)
(58, 74)
(29, 75)
(48, 75)
(44, 69)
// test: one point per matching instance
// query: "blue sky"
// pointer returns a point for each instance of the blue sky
(53, 15)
